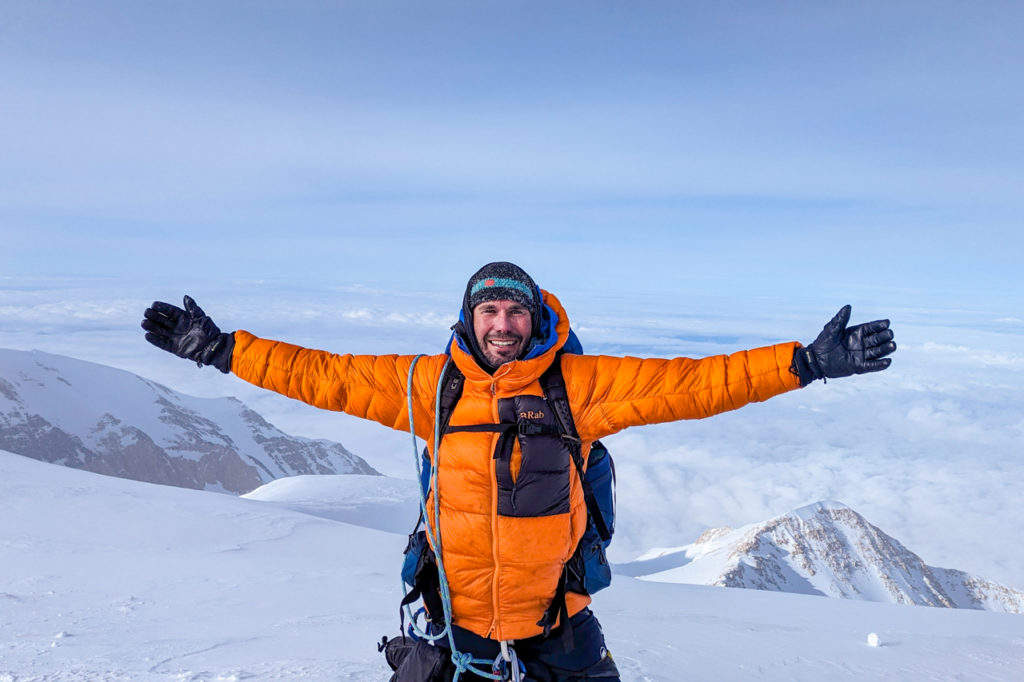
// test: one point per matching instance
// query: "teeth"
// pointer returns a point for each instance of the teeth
(503, 343)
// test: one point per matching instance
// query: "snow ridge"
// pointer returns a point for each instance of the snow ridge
(89, 416)
(822, 549)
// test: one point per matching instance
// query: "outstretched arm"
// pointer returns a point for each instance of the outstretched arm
(368, 386)
(609, 394)
(345, 383)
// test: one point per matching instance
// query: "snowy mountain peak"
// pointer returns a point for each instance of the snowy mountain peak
(825, 549)
(89, 416)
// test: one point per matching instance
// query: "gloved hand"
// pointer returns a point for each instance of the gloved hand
(189, 334)
(840, 351)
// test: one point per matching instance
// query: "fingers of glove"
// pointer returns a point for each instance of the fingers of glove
(157, 327)
(168, 310)
(874, 326)
(160, 342)
(878, 339)
(875, 365)
(155, 321)
(881, 351)
(838, 323)
(191, 307)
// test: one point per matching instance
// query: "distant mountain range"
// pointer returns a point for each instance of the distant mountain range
(822, 549)
(89, 416)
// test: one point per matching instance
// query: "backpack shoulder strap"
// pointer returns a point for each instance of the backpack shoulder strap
(451, 390)
(553, 384)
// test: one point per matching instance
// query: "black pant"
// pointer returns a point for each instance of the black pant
(545, 658)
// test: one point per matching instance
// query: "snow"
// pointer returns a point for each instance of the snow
(154, 582)
(110, 579)
(390, 504)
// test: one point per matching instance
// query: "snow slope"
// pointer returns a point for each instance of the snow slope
(112, 579)
(90, 416)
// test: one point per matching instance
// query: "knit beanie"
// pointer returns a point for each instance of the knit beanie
(503, 281)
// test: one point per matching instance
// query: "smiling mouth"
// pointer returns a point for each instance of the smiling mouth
(503, 344)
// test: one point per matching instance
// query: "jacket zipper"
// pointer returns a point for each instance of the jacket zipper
(495, 618)
(495, 606)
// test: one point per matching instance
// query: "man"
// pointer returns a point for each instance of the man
(512, 510)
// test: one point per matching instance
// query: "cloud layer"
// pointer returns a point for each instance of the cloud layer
(928, 450)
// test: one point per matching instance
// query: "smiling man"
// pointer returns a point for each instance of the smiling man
(510, 492)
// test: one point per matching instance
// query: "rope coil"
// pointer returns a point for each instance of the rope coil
(463, 662)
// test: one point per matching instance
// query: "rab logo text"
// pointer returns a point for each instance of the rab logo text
(530, 414)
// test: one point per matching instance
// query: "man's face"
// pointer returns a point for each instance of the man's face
(502, 330)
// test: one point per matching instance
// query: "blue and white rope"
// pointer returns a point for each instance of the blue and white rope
(463, 661)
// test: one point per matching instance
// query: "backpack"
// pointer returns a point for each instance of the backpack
(587, 571)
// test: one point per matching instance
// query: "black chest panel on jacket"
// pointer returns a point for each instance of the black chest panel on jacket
(541, 487)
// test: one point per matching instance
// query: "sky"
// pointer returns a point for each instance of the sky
(788, 148)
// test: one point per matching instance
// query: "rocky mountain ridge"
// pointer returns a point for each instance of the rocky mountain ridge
(89, 416)
(825, 549)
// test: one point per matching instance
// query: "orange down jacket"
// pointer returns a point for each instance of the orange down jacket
(503, 570)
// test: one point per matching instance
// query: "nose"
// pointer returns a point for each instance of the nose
(501, 321)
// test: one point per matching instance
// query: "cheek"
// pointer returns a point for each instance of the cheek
(479, 329)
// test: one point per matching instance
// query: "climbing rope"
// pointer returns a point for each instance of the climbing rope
(463, 661)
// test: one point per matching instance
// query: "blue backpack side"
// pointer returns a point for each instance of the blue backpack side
(592, 550)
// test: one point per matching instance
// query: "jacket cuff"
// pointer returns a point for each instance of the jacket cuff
(803, 366)
(218, 353)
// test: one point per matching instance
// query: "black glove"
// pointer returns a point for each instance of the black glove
(840, 351)
(189, 334)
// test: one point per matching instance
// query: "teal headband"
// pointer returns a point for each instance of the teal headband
(502, 283)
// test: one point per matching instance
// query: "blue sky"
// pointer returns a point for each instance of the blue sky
(863, 150)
